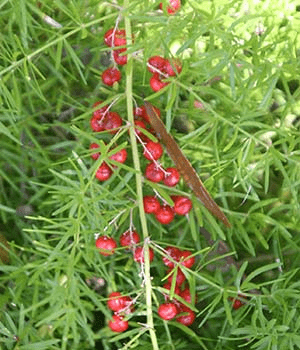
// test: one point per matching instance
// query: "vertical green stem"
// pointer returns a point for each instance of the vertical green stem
(136, 162)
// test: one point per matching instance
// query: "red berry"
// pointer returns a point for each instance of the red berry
(172, 177)
(95, 155)
(138, 254)
(119, 58)
(168, 286)
(156, 64)
(104, 172)
(165, 214)
(129, 238)
(107, 121)
(167, 311)
(186, 260)
(138, 132)
(106, 245)
(117, 324)
(120, 304)
(112, 121)
(115, 37)
(120, 156)
(173, 7)
(237, 303)
(186, 295)
(182, 205)
(156, 84)
(120, 37)
(108, 37)
(188, 318)
(96, 122)
(110, 76)
(100, 111)
(173, 253)
(153, 150)
(154, 173)
(173, 67)
(115, 301)
(151, 204)
(180, 277)
(141, 112)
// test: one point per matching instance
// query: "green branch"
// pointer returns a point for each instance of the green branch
(136, 162)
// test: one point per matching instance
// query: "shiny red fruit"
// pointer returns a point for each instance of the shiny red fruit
(110, 76)
(142, 113)
(182, 205)
(138, 132)
(120, 156)
(138, 254)
(165, 214)
(186, 259)
(100, 111)
(95, 155)
(168, 286)
(187, 318)
(167, 311)
(237, 303)
(106, 245)
(117, 324)
(173, 67)
(139, 111)
(153, 150)
(173, 7)
(151, 204)
(186, 295)
(172, 177)
(154, 173)
(173, 253)
(104, 172)
(129, 238)
(156, 83)
(116, 301)
(96, 122)
(156, 64)
(112, 121)
(180, 277)
(115, 37)
(119, 57)
(107, 121)
(120, 304)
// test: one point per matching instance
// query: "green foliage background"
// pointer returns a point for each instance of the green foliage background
(241, 61)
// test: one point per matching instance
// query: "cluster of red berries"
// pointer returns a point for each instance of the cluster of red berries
(165, 213)
(105, 120)
(162, 68)
(154, 172)
(173, 259)
(115, 38)
(122, 305)
(106, 245)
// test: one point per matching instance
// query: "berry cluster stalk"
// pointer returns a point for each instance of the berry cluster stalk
(136, 162)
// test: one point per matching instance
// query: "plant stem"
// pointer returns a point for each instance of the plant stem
(136, 162)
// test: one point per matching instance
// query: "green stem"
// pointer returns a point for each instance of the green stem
(136, 162)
